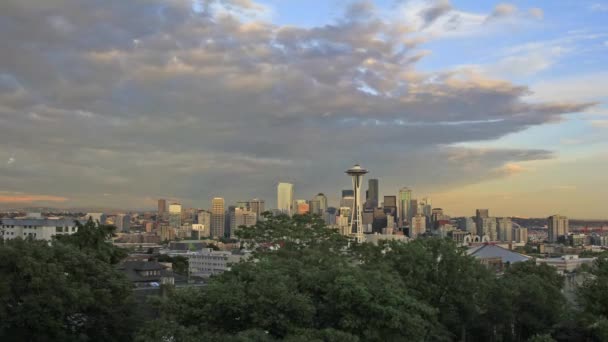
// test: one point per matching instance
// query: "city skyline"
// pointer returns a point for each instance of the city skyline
(472, 103)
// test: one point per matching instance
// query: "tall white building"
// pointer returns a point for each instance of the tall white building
(285, 198)
(558, 226)
(520, 235)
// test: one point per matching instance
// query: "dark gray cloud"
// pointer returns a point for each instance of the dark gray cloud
(149, 98)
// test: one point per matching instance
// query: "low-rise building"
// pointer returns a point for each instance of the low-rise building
(208, 262)
(37, 227)
(566, 263)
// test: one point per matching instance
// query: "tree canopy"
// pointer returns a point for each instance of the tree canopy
(59, 292)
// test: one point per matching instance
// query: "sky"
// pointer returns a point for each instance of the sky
(476, 104)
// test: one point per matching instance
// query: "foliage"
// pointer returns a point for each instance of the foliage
(93, 239)
(59, 292)
(179, 263)
(525, 301)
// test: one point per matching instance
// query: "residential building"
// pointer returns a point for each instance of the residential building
(418, 226)
(204, 218)
(557, 226)
(241, 218)
(258, 207)
(505, 229)
(520, 235)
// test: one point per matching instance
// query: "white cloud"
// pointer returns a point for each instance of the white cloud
(599, 7)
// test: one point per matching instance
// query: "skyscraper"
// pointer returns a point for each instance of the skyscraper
(257, 206)
(217, 217)
(348, 193)
(479, 215)
(357, 173)
(175, 215)
(314, 207)
(558, 226)
(372, 193)
(123, 223)
(285, 198)
(241, 218)
(204, 218)
(162, 209)
(403, 206)
(418, 226)
(322, 203)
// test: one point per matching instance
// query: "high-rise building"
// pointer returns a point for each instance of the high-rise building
(348, 193)
(123, 223)
(285, 198)
(314, 207)
(470, 226)
(558, 226)
(505, 229)
(242, 204)
(241, 218)
(480, 214)
(217, 217)
(302, 207)
(330, 216)
(322, 199)
(257, 206)
(520, 235)
(390, 209)
(418, 226)
(348, 201)
(403, 206)
(372, 193)
(357, 173)
(488, 227)
(427, 206)
(204, 218)
(175, 215)
(162, 209)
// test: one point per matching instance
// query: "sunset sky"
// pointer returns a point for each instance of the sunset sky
(476, 104)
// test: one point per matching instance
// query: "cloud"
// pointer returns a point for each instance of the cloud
(537, 13)
(28, 198)
(510, 169)
(600, 123)
(599, 7)
(156, 98)
(436, 10)
(502, 10)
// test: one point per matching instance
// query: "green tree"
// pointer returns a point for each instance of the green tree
(60, 293)
(94, 239)
(437, 272)
(527, 300)
(310, 288)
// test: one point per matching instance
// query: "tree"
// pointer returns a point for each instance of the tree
(527, 300)
(438, 273)
(309, 288)
(179, 263)
(60, 293)
(93, 239)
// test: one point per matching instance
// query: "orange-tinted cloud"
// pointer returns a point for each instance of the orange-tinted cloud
(24, 198)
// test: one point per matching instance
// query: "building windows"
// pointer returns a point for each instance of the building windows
(59, 229)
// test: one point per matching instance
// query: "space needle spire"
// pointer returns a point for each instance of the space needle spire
(357, 173)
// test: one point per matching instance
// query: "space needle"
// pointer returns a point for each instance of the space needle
(357, 173)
